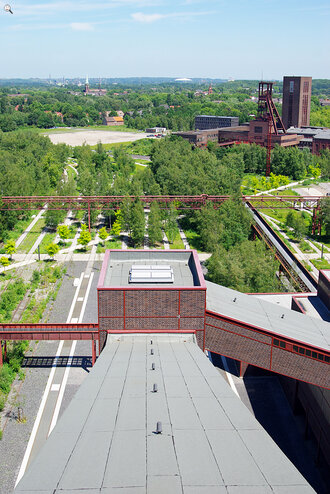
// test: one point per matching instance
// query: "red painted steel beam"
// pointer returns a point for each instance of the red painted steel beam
(195, 202)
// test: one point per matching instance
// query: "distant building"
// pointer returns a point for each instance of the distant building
(156, 130)
(214, 122)
(314, 138)
(296, 106)
(93, 92)
(113, 121)
(199, 138)
(120, 113)
(325, 102)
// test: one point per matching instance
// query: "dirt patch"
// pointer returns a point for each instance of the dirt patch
(92, 137)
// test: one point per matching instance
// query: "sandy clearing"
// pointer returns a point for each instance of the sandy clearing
(314, 190)
(92, 137)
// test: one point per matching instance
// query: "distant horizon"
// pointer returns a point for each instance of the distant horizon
(181, 38)
(200, 79)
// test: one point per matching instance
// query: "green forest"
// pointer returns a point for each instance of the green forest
(169, 105)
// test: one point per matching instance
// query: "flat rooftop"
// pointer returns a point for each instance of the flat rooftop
(118, 264)
(267, 316)
(106, 441)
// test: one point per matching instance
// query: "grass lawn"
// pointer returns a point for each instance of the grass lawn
(48, 239)
(194, 240)
(139, 168)
(109, 244)
(285, 192)
(71, 173)
(319, 246)
(277, 214)
(320, 263)
(32, 236)
(177, 242)
(305, 247)
(17, 231)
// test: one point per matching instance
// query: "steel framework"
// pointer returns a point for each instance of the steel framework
(102, 203)
(267, 112)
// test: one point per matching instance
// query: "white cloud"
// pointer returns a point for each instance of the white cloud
(140, 17)
(82, 26)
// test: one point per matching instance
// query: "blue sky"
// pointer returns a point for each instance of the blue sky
(183, 38)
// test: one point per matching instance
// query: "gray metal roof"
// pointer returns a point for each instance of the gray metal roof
(268, 316)
(105, 441)
(117, 266)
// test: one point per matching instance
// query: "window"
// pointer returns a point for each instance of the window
(320, 356)
(258, 130)
(282, 344)
(302, 351)
(291, 86)
(295, 348)
(314, 354)
(308, 353)
(276, 342)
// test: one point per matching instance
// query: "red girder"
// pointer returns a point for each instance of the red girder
(48, 331)
(183, 202)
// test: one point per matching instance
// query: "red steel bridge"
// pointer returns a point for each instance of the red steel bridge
(103, 203)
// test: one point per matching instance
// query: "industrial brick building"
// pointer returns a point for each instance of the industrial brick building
(296, 106)
(203, 122)
(315, 139)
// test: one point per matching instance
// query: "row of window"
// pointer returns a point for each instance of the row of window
(301, 350)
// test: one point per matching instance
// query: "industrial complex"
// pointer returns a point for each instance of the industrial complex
(154, 415)
(268, 128)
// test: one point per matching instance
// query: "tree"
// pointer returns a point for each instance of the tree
(63, 231)
(10, 248)
(299, 227)
(103, 234)
(125, 214)
(290, 219)
(155, 232)
(52, 249)
(325, 211)
(171, 224)
(4, 261)
(137, 222)
(85, 236)
(53, 217)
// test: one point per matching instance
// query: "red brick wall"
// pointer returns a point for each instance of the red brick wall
(256, 348)
(162, 309)
(299, 366)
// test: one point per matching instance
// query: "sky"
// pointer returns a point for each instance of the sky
(165, 38)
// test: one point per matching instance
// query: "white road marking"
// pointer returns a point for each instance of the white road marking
(39, 415)
(46, 393)
(74, 320)
(80, 299)
(55, 387)
(62, 389)
(67, 370)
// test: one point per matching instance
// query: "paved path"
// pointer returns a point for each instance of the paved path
(183, 237)
(29, 228)
(166, 242)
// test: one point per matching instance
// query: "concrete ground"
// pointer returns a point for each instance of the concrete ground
(314, 190)
(262, 393)
(92, 137)
(38, 366)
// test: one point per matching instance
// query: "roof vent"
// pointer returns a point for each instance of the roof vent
(146, 273)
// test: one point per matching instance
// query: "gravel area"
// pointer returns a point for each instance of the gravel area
(16, 435)
(92, 137)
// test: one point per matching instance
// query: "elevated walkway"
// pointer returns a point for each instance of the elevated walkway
(266, 335)
(107, 441)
